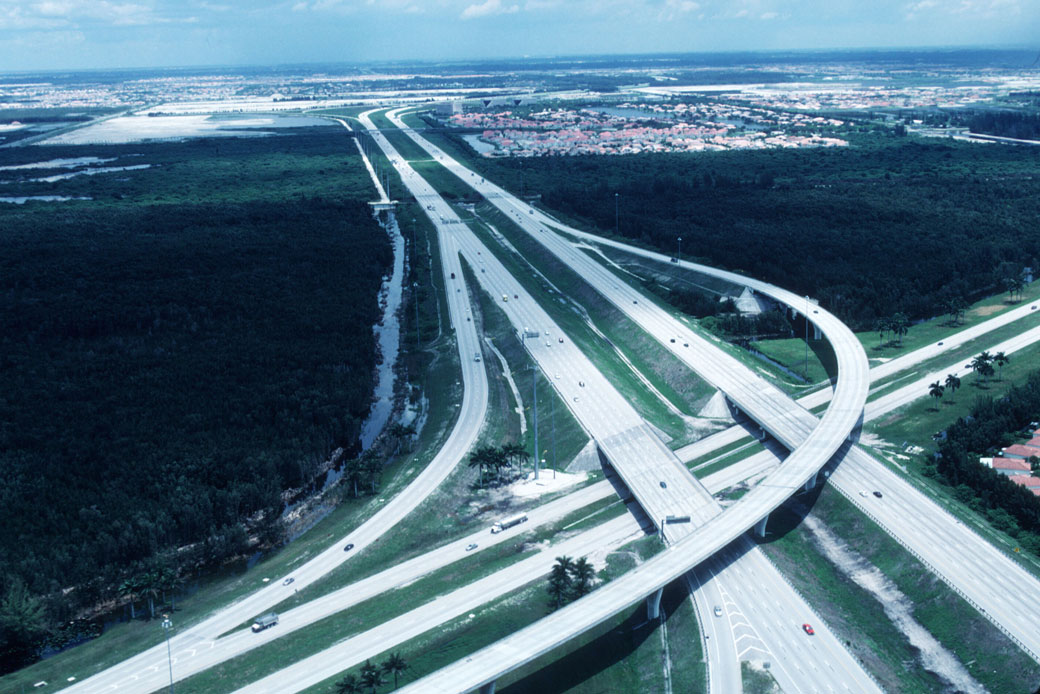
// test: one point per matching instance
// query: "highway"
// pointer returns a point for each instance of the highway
(762, 401)
(472, 412)
(566, 367)
(535, 223)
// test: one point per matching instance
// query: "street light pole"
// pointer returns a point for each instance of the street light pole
(167, 624)
(534, 389)
(617, 218)
(807, 337)
(679, 253)
(552, 417)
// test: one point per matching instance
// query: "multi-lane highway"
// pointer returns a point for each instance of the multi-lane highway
(537, 225)
(764, 402)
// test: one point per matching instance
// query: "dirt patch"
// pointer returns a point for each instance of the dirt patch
(897, 607)
(987, 310)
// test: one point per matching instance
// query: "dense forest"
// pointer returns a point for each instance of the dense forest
(994, 423)
(887, 225)
(1023, 126)
(176, 353)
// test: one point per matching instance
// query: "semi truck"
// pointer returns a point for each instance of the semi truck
(265, 622)
(508, 523)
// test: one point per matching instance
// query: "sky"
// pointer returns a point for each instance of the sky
(71, 34)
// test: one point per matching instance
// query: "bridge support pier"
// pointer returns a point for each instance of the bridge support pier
(817, 335)
(653, 604)
(760, 527)
(761, 436)
(488, 688)
(810, 483)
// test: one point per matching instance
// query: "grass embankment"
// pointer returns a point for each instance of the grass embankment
(854, 614)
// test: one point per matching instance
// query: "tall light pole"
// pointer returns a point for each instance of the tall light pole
(679, 253)
(552, 418)
(617, 218)
(534, 389)
(415, 298)
(167, 624)
(807, 337)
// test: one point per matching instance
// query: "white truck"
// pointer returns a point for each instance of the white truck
(265, 622)
(508, 523)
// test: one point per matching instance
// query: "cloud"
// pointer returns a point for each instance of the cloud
(487, 9)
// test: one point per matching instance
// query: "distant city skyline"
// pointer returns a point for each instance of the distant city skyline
(71, 34)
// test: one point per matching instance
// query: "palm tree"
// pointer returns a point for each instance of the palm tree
(1000, 359)
(900, 326)
(560, 580)
(481, 458)
(371, 676)
(394, 665)
(881, 327)
(980, 363)
(936, 391)
(582, 574)
(129, 588)
(348, 685)
(952, 384)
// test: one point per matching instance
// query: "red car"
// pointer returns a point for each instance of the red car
(808, 629)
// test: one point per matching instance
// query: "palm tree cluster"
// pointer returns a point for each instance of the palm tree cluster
(898, 325)
(569, 580)
(983, 363)
(499, 463)
(372, 676)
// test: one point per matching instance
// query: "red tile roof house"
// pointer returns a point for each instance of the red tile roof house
(1028, 481)
(1007, 466)
(1019, 451)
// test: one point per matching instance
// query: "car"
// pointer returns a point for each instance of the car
(672, 340)
(635, 301)
(663, 485)
(718, 611)
(575, 398)
(877, 494)
(288, 581)
(862, 493)
(349, 546)
(1033, 307)
(686, 344)
(808, 629)
(471, 546)
(548, 344)
(557, 377)
(581, 383)
(940, 344)
(561, 340)
(516, 296)
(674, 260)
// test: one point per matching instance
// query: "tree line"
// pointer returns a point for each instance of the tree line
(994, 423)
(169, 370)
(887, 226)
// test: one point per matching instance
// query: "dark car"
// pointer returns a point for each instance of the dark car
(349, 547)
(877, 494)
